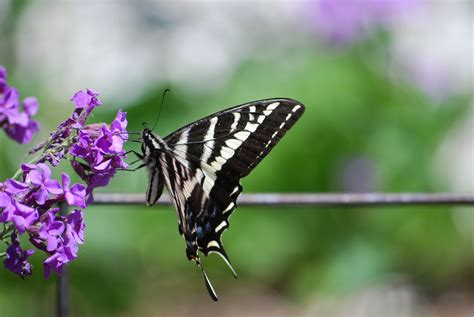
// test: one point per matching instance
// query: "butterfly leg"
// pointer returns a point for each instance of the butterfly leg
(136, 161)
(140, 156)
(132, 169)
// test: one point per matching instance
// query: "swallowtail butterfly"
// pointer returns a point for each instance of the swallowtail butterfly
(202, 163)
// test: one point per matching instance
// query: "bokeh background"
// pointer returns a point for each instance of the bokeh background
(388, 89)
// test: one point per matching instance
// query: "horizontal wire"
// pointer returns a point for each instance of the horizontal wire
(310, 199)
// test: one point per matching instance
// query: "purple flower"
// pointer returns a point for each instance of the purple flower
(31, 105)
(12, 190)
(17, 125)
(120, 122)
(17, 259)
(23, 133)
(23, 216)
(110, 142)
(7, 205)
(5, 199)
(75, 195)
(111, 139)
(56, 261)
(76, 226)
(51, 229)
(15, 187)
(3, 79)
(40, 177)
(82, 147)
(342, 21)
(67, 251)
(101, 150)
(86, 99)
(25, 204)
(9, 105)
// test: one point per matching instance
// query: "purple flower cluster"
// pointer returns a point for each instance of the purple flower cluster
(58, 145)
(17, 124)
(16, 259)
(342, 21)
(28, 202)
(98, 153)
(29, 206)
(96, 149)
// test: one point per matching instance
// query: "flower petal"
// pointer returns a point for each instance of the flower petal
(81, 99)
(30, 105)
(41, 195)
(53, 187)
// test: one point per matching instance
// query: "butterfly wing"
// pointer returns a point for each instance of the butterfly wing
(221, 149)
(186, 188)
(232, 142)
(203, 162)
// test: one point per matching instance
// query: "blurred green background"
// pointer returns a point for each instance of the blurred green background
(388, 92)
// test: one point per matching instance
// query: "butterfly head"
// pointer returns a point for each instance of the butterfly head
(146, 138)
(146, 133)
(151, 142)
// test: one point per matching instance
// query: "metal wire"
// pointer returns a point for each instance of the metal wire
(275, 199)
(311, 199)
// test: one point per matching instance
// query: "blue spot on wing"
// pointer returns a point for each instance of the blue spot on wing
(199, 232)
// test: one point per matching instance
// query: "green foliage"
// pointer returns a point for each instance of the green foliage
(353, 110)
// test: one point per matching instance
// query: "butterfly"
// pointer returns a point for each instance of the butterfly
(202, 163)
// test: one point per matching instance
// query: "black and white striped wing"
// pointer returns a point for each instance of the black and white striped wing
(189, 189)
(217, 151)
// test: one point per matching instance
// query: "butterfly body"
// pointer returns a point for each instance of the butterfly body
(202, 163)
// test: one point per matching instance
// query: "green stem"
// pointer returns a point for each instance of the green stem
(65, 144)
(6, 231)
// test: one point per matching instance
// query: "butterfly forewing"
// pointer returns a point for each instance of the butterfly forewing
(232, 142)
(227, 146)
(203, 162)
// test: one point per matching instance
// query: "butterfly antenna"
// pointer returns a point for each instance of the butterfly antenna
(161, 107)
(209, 287)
